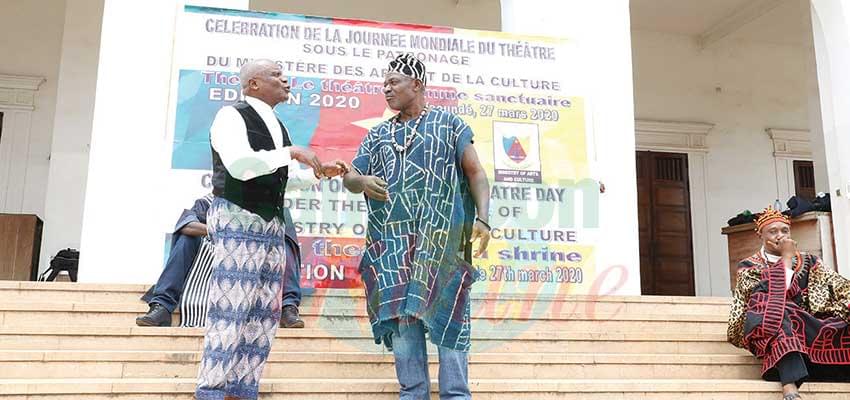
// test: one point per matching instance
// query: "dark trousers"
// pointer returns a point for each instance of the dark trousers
(796, 368)
(169, 287)
(792, 369)
(292, 276)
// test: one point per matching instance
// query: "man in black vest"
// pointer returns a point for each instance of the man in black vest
(251, 154)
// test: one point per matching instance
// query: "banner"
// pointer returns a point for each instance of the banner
(523, 97)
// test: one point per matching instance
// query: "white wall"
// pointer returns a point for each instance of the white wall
(469, 14)
(741, 86)
(32, 37)
(66, 183)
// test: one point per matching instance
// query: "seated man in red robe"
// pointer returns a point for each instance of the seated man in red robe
(791, 311)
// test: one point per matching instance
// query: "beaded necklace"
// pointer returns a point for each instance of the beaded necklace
(408, 137)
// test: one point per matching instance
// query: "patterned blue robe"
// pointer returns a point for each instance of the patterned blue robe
(416, 262)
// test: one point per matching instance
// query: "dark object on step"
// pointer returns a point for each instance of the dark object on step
(65, 260)
(822, 203)
(744, 217)
(798, 206)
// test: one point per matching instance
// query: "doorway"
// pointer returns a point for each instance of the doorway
(664, 223)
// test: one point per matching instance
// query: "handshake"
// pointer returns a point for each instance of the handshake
(321, 170)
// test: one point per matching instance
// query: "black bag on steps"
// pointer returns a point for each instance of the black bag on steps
(65, 260)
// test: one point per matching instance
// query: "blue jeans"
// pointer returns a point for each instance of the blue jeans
(411, 366)
(169, 287)
(292, 275)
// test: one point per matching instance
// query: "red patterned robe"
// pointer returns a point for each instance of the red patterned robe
(810, 316)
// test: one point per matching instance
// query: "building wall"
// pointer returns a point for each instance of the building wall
(31, 45)
(469, 14)
(742, 86)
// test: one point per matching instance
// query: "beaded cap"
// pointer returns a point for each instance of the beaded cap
(769, 216)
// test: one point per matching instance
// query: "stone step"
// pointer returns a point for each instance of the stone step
(62, 292)
(312, 340)
(361, 365)
(77, 341)
(387, 389)
(122, 314)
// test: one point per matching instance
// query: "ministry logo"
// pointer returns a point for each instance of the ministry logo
(518, 157)
(514, 148)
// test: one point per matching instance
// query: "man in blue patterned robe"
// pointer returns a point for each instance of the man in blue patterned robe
(428, 200)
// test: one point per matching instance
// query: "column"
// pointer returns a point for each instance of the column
(69, 150)
(831, 29)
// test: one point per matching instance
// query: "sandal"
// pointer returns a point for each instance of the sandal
(792, 396)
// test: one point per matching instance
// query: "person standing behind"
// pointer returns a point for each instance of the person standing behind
(428, 199)
(251, 153)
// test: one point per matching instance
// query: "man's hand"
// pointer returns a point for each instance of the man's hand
(375, 188)
(482, 233)
(194, 229)
(307, 157)
(334, 168)
(787, 246)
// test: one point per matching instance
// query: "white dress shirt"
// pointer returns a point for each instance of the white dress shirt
(228, 138)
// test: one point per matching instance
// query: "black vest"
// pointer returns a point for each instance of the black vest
(262, 195)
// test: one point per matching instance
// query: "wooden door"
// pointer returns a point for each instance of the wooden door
(664, 222)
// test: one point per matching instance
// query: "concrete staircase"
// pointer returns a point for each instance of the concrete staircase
(79, 341)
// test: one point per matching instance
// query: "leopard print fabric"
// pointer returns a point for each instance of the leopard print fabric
(829, 293)
(748, 279)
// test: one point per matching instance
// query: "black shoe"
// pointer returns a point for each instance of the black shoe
(156, 316)
(289, 317)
